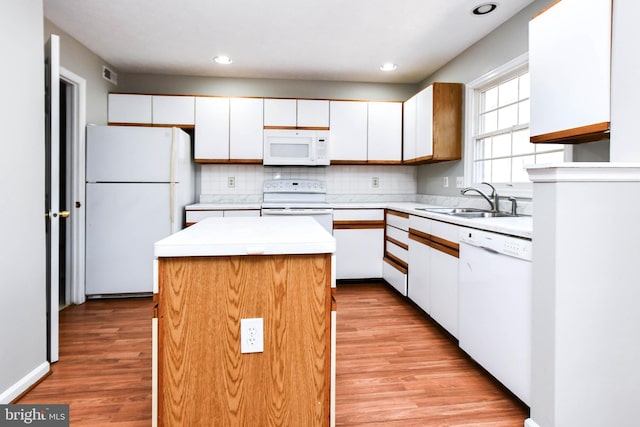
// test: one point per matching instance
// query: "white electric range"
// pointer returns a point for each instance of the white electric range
(299, 197)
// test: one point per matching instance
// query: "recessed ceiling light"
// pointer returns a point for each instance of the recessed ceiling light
(388, 66)
(485, 8)
(224, 60)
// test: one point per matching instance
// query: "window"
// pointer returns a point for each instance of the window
(498, 141)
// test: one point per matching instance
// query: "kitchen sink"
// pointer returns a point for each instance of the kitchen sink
(467, 212)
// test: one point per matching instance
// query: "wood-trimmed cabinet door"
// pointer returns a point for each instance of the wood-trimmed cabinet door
(384, 144)
(212, 130)
(246, 123)
(348, 132)
(125, 108)
(570, 71)
(359, 235)
(433, 124)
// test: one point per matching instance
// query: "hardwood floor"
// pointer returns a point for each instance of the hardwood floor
(104, 371)
(395, 367)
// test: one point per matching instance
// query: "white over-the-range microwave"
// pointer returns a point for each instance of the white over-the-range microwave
(296, 147)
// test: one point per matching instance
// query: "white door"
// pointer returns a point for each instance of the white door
(52, 190)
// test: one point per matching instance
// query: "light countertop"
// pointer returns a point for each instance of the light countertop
(248, 236)
(521, 226)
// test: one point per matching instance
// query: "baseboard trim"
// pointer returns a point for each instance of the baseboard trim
(530, 423)
(25, 384)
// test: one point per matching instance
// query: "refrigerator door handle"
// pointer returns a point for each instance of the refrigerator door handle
(172, 180)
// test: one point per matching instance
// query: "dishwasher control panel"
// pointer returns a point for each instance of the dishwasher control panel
(499, 243)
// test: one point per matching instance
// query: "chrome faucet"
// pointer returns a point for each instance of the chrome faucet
(491, 198)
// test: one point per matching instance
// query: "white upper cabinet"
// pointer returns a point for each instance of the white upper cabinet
(212, 129)
(127, 108)
(280, 112)
(384, 132)
(570, 71)
(433, 124)
(228, 130)
(348, 131)
(173, 110)
(296, 113)
(151, 109)
(424, 123)
(409, 128)
(246, 120)
(313, 113)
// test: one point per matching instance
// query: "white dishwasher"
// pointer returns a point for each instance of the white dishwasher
(495, 306)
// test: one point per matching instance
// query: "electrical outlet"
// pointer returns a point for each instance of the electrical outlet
(445, 181)
(459, 181)
(375, 182)
(231, 182)
(252, 335)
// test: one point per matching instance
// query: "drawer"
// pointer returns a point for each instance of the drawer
(398, 219)
(397, 251)
(395, 276)
(421, 224)
(358, 214)
(241, 212)
(195, 216)
(397, 235)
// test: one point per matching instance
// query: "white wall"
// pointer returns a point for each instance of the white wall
(22, 252)
(505, 43)
(220, 86)
(78, 59)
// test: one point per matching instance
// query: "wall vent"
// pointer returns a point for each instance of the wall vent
(110, 75)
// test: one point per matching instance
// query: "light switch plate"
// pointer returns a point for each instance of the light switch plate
(252, 335)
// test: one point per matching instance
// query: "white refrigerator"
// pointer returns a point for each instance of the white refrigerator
(139, 179)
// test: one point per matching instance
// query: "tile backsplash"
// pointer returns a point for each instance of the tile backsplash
(341, 180)
(344, 184)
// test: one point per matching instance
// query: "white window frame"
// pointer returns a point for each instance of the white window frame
(520, 190)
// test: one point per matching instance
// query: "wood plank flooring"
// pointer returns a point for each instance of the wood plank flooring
(395, 367)
(104, 371)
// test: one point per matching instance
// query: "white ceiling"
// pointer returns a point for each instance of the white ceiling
(339, 40)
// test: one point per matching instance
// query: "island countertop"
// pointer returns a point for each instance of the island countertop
(248, 236)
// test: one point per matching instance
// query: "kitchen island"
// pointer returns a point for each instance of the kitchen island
(219, 271)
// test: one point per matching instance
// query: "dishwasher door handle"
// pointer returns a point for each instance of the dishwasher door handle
(493, 251)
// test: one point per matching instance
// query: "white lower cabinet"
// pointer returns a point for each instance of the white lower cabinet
(194, 215)
(359, 253)
(433, 277)
(420, 261)
(396, 252)
(444, 290)
(395, 275)
(359, 235)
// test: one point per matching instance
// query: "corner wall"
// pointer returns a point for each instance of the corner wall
(505, 43)
(78, 59)
(23, 336)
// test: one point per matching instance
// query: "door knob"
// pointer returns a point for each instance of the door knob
(63, 214)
